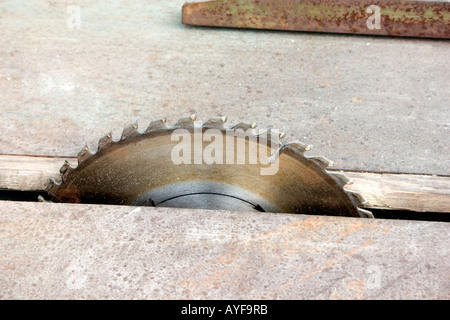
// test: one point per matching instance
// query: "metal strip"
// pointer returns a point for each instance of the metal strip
(421, 18)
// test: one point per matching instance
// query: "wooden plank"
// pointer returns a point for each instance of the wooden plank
(425, 193)
(28, 173)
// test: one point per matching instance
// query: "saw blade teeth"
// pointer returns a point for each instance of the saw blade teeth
(130, 131)
(52, 184)
(263, 137)
(270, 136)
(84, 154)
(65, 170)
(64, 167)
(341, 178)
(105, 141)
(275, 155)
(261, 132)
(275, 135)
(215, 123)
(66, 173)
(185, 122)
(356, 198)
(157, 125)
(243, 126)
(296, 146)
(359, 202)
(363, 213)
(322, 161)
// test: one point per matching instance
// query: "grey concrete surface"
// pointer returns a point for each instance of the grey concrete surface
(63, 251)
(367, 103)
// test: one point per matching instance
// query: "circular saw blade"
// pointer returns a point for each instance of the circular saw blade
(140, 169)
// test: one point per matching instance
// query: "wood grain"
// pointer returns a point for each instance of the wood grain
(28, 173)
(424, 193)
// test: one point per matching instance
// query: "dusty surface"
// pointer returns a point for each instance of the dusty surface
(367, 103)
(78, 251)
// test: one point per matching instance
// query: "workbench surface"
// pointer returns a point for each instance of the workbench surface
(370, 104)
(367, 103)
(64, 251)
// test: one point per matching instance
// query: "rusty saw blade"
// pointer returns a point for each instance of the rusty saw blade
(143, 168)
(404, 18)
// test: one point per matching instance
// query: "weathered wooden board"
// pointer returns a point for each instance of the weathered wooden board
(27, 173)
(425, 193)
(388, 191)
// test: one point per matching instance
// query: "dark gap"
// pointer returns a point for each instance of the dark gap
(411, 215)
(258, 208)
(27, 196)
(33, 196)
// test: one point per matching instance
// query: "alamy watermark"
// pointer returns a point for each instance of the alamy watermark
(374, 21)
(373, 281)
(213, 146)
(73, 20)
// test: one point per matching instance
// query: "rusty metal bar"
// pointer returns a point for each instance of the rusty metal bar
(429, 19)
